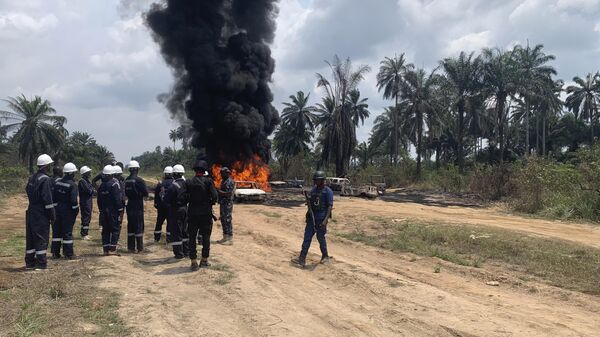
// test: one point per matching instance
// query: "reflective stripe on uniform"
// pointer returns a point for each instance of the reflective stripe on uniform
(30, 251)
(185, 240)
(168, 233)
(56, 239)
(177, 243)
(49, 206)
(75, 207)
(40, 252)
(105, 245)
(139, 235)
(62, 184)
(68, 242)
(85, 227)
(157, 232)
(130, 234)
(55, 204)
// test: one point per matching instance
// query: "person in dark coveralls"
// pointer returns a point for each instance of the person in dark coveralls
(159, 203)
(176, 199)
(39, 215)
(118, 175)
(136, 191)
(226, 192)
(67, 208)
(320, 204)
(202, 195)
(86, 192)
(110, 204)
(98, 177)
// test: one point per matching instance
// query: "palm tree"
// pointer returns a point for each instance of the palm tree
(287, 144)
(389, 79)
(173, 135)
(365, 153)
(339, 130)
(38, 128)
(533, 73)
(584, 97)
(418, 92)
(358, 107)
(465, 76)
(500, 82)
(299, 115)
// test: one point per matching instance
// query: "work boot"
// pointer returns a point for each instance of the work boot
(56, 256)
(300, 261)
(325, 259)
(204, 262)
(194, 266)
(226, 240)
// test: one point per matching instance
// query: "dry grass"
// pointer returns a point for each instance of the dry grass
(560, 263)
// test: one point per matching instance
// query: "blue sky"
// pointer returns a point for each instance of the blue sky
(97, 64)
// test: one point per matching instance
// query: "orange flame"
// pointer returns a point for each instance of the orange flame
(251, 170)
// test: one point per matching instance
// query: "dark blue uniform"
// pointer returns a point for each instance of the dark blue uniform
(38, 217)
(110, 204)
(86, 192)
(226, 206)
(136, 191)
(177, 200)
(161, 207)
(67, 208)
(320, 201)
(202, 195)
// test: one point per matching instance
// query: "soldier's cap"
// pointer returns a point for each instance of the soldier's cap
(225, 169)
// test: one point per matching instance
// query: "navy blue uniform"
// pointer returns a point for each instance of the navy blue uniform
(110, 204)
(226, 206)
(136, 191)
(177, 200)
(320, 202)
(202, 195)
(38, 217)
(67, 208)
(161, 207)
(86, 192)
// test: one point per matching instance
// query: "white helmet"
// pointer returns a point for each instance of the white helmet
(44, 160)
(178, 169)
(117, 169)
(69, 168)
(168, 170)
(133, 164)
(85, 170)
(108, 170)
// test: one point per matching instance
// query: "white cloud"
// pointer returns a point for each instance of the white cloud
(468, 43)
(13, 24)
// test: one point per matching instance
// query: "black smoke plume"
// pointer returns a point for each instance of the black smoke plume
(221, 60)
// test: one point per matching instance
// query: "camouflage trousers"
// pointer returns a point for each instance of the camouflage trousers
(226, 210)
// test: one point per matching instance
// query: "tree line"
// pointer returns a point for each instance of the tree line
(35, 127)
(493, 106)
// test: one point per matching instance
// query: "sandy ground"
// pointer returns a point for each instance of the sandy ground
(253, 290)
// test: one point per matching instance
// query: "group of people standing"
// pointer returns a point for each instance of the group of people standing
(186, 205)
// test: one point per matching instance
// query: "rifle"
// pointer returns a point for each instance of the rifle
(310, 210)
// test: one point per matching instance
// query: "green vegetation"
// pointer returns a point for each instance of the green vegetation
(560, 263)
(225, 275)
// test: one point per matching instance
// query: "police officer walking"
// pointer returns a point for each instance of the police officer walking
(320, 203)
(176, 199)
(202, 195)
(110, 204)
(39, 215)
(226, 193)
(67, 209)
(160, 204)
(136, 191)
(86, 192)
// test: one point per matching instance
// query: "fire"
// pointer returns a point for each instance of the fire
(251, 170)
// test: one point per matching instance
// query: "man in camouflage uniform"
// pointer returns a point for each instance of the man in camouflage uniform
(226, 193)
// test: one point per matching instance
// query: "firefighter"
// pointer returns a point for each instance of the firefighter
(67, 209)
(86, 192)
(320, 204)
(110, 204)
(39, 215)
(226, 193)
(177, 201)
(136, 191)
(202, 195)
(160, 204)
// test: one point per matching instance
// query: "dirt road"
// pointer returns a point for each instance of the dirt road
(252, 290)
